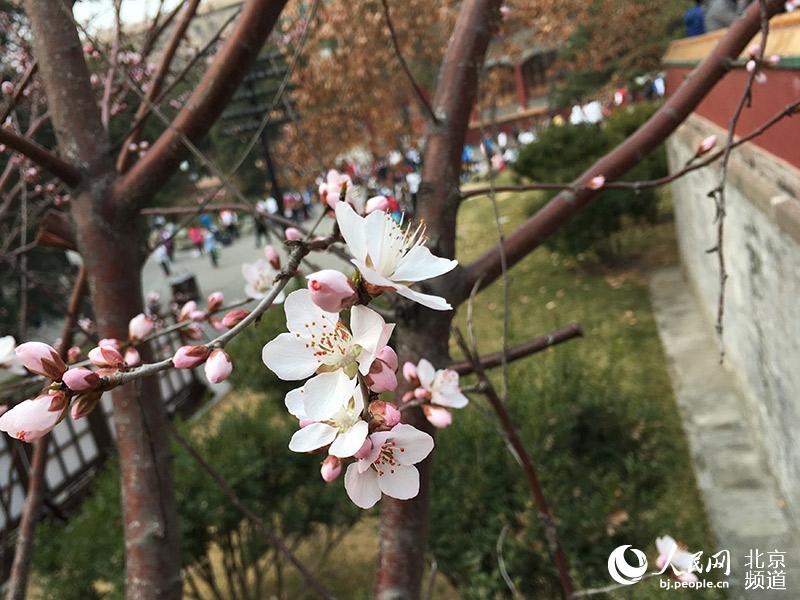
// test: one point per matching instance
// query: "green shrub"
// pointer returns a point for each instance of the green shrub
(560, 154)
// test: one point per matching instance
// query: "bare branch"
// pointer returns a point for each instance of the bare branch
(56, 165)
(154, 88)
(418, 93)
(495, 359)
(19, 89)
(206, 103)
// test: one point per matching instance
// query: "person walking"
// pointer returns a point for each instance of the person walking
(695, 20)
(162, 256)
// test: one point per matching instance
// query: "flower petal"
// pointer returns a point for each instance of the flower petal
(399, 481)
(370, 332)
(453, 399)
(427, 300)
(305, 317)
(327, 393)
(352, 228)
(289, 358)
(362, 487)
(348, 442)
(426, 373)
(312, 437)
(416, 444)
(421, 264)
(295, 403)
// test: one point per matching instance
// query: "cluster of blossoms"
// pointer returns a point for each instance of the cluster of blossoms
(336, 345)
(755, 64)
(346, 362)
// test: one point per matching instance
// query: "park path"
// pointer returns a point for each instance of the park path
(227, 277)
(742, 498)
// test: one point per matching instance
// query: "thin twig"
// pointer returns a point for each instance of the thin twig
(418, 93)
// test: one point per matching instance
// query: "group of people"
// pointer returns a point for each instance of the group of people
(710, 15)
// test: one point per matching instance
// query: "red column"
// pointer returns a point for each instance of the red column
(521, 88)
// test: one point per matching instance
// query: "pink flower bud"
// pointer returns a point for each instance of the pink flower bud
(106, 356)
(31, 419)
(192, 332)
(421, 394)
(216, 323)
(410, 372)
(293, 234)
(761, 78)
(595, 183)
(73, 354)
(7, 88)
(750, 66)
(58, 401)
(331, 290)
(113, 342)
(331, 468)
(189, 357)
(233, 317)
(365, 450)
(407, 397)
(377, 203)
(754, 51)
(198, 315)
(272, 256)
(439, 417)
(389, 356)
(84, 404)
(41, 359)
(218, 366)
(81, 379)
(215, 300)
(186, 310)
(384, 412)
(132, 357)
(140, 327)
(772, 60)
(707, 145)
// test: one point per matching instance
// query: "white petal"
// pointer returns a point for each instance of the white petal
(415, 444)
(376, 229)
(352, 228)
(428, 300)
(370, 332)
(453, 399)
(7, 345)
(421, 264)
(373, 276)
(311, 437)
(399, 481)
(426, 373)
(326, 393)
(305, 317)
(358, 400)
(348, 442)
(295, 402)
(362, 487)
(288, 357)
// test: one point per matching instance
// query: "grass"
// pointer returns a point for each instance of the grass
(597, 413)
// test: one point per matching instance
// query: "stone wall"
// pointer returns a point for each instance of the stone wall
(762, 305)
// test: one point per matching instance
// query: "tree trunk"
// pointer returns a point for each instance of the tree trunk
(112, 255)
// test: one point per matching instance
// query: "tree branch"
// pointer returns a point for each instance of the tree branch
(19, 88)
(206, 103)
(420, 95)
(495, 359)
(560, 209)
(154, 88)
(59, 167)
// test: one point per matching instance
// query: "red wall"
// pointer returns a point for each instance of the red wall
(782, 88)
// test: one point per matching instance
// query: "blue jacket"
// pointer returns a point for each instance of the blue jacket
(695, 21)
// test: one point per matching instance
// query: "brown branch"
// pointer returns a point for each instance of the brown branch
(18, 579)
(105, 104)
(123, 160)
(19, 88)
(157, 28)
(563, 206)
(229, 492)
(495, 359)
(418, 93)
(59, 167)
(517, 445)
(206, 103)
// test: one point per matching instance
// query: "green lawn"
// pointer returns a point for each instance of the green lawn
(597, 413)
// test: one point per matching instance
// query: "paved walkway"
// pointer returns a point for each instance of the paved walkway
(741, 496)
(227, 277)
